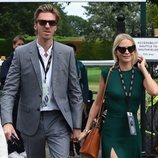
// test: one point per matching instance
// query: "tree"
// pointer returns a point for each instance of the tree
(102, 21)
(154, 2)
(152, 15)
(77, 25)
(17, 18)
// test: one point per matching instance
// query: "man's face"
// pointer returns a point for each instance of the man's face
(45, 25)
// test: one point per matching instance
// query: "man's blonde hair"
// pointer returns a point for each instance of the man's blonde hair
(44, 8)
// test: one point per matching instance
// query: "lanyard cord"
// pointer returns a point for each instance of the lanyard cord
(42, 63)
(129, 93)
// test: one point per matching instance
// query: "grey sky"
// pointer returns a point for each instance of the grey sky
(75, 8)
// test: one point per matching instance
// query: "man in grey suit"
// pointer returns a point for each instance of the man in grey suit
(50, 105)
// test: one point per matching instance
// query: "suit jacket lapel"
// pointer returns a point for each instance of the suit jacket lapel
(35, 62)
(55, 64)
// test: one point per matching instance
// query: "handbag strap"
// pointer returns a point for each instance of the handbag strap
(101, 107)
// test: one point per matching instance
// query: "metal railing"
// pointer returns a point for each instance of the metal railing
(97, 62)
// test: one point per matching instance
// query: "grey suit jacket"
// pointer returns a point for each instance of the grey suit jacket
(25, 73)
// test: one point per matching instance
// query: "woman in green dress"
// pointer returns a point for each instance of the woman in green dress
(121, 136)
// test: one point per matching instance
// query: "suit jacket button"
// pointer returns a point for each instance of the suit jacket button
(38, 109)
(40, 95)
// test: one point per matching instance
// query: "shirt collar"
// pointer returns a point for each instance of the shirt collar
(41, 49)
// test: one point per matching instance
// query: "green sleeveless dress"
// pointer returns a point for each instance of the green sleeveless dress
(115, 130)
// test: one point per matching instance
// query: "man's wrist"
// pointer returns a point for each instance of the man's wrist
(7, 123)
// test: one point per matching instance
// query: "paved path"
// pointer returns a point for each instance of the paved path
(76, 156)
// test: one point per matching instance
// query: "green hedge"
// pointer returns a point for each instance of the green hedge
(5, 47)
(85, 50)
(95, 51)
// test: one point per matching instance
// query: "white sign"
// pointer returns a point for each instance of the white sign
(148, 47)
(73, 1)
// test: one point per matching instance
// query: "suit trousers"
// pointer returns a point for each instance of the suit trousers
(53, 130)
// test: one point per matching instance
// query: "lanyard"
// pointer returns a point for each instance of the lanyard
(129, 93)
(48, 64)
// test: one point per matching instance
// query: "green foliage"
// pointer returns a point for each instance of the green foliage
(77, 25)
(152, 15)
(17, 18)
(95, 51)
(5, 47)
(102, 21)
(153, 2)
(85, 50)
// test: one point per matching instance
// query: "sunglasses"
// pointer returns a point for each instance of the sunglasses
(130, 49)
(44, 22)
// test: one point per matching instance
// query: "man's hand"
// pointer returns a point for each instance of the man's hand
(9, 130)
(76, 134)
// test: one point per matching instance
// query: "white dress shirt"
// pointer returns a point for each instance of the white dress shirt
(47, 85)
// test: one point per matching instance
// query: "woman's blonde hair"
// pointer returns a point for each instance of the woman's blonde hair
(116, 43)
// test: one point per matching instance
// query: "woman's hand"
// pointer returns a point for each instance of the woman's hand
(83, 134)
(141, 62)
(150, 85)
